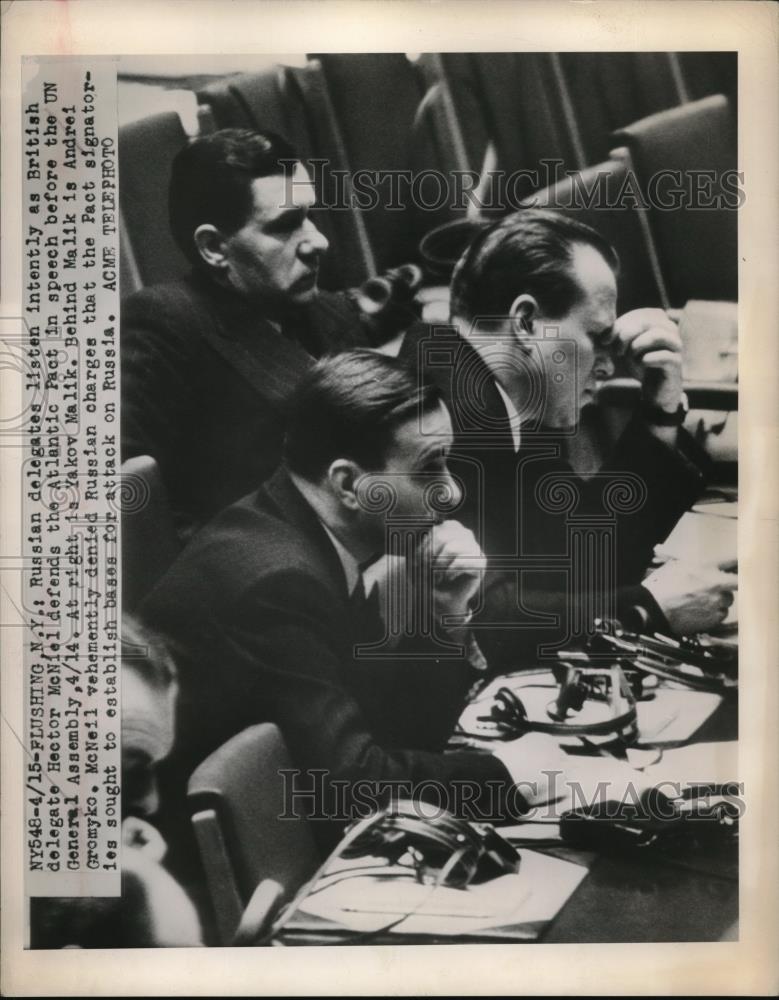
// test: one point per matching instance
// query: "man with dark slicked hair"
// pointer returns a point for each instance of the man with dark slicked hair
(209, 362)
(534, 329)
(266, 610)
(261, 607)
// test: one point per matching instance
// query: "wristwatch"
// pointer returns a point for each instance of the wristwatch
(662, 418)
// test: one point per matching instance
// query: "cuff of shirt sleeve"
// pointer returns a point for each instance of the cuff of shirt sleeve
(640, 612)
(476, 658)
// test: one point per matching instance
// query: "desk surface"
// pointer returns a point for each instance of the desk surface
(640, 900)
(637, 897)
(651, 899)
(622, 900)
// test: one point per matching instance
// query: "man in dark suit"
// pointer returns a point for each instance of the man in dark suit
(208, 362)
(266, 613)
(549, 471)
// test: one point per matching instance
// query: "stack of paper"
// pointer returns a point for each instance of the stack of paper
(523, 901)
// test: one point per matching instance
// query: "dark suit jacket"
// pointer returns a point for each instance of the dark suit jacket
(261, 625)
(205, 381)
(513, 506)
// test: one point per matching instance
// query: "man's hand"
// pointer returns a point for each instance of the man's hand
(458, 565)
(692, 598)
(651, 344)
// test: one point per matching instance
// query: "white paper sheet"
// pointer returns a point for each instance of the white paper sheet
(530, 897)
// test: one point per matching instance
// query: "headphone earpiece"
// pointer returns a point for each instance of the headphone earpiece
(433, 841)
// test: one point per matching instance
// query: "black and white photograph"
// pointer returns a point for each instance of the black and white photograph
(384, 527)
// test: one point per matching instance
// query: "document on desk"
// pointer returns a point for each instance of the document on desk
(709, 533)
(709, 333)
(524, 902)
(674, 714)
(697, 764)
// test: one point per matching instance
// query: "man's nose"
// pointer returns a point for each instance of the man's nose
(314, 244)
(453, 494)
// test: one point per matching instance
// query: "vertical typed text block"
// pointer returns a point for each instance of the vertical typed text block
(70, 481)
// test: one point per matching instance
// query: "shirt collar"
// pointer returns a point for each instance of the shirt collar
(350, 565)
(514, 418)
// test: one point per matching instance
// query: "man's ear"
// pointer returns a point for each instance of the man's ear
(342, 476)
(210, 245)
(523, 311)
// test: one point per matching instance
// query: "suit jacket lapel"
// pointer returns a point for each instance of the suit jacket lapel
(478, 412)
(476, 384)
(270, 362)
(294, 509)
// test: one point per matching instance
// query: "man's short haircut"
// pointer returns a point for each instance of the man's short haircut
(348, 406)
(210, 181)
(528, 252)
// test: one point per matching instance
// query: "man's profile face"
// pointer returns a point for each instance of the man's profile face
(578, 355)
(415, 472)
(274, 257)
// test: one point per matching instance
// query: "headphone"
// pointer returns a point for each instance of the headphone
(433, 842)
(660, 656)
(444, 850)
(618, 668)
(577, 684)
(442, 247)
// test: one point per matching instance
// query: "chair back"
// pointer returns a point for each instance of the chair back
(146, 152)
(236, 797)
(149, 540)
(696, 240)
(374, 99)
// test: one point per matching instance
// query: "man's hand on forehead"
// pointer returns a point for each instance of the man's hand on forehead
(650, 342)
(641, 331)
